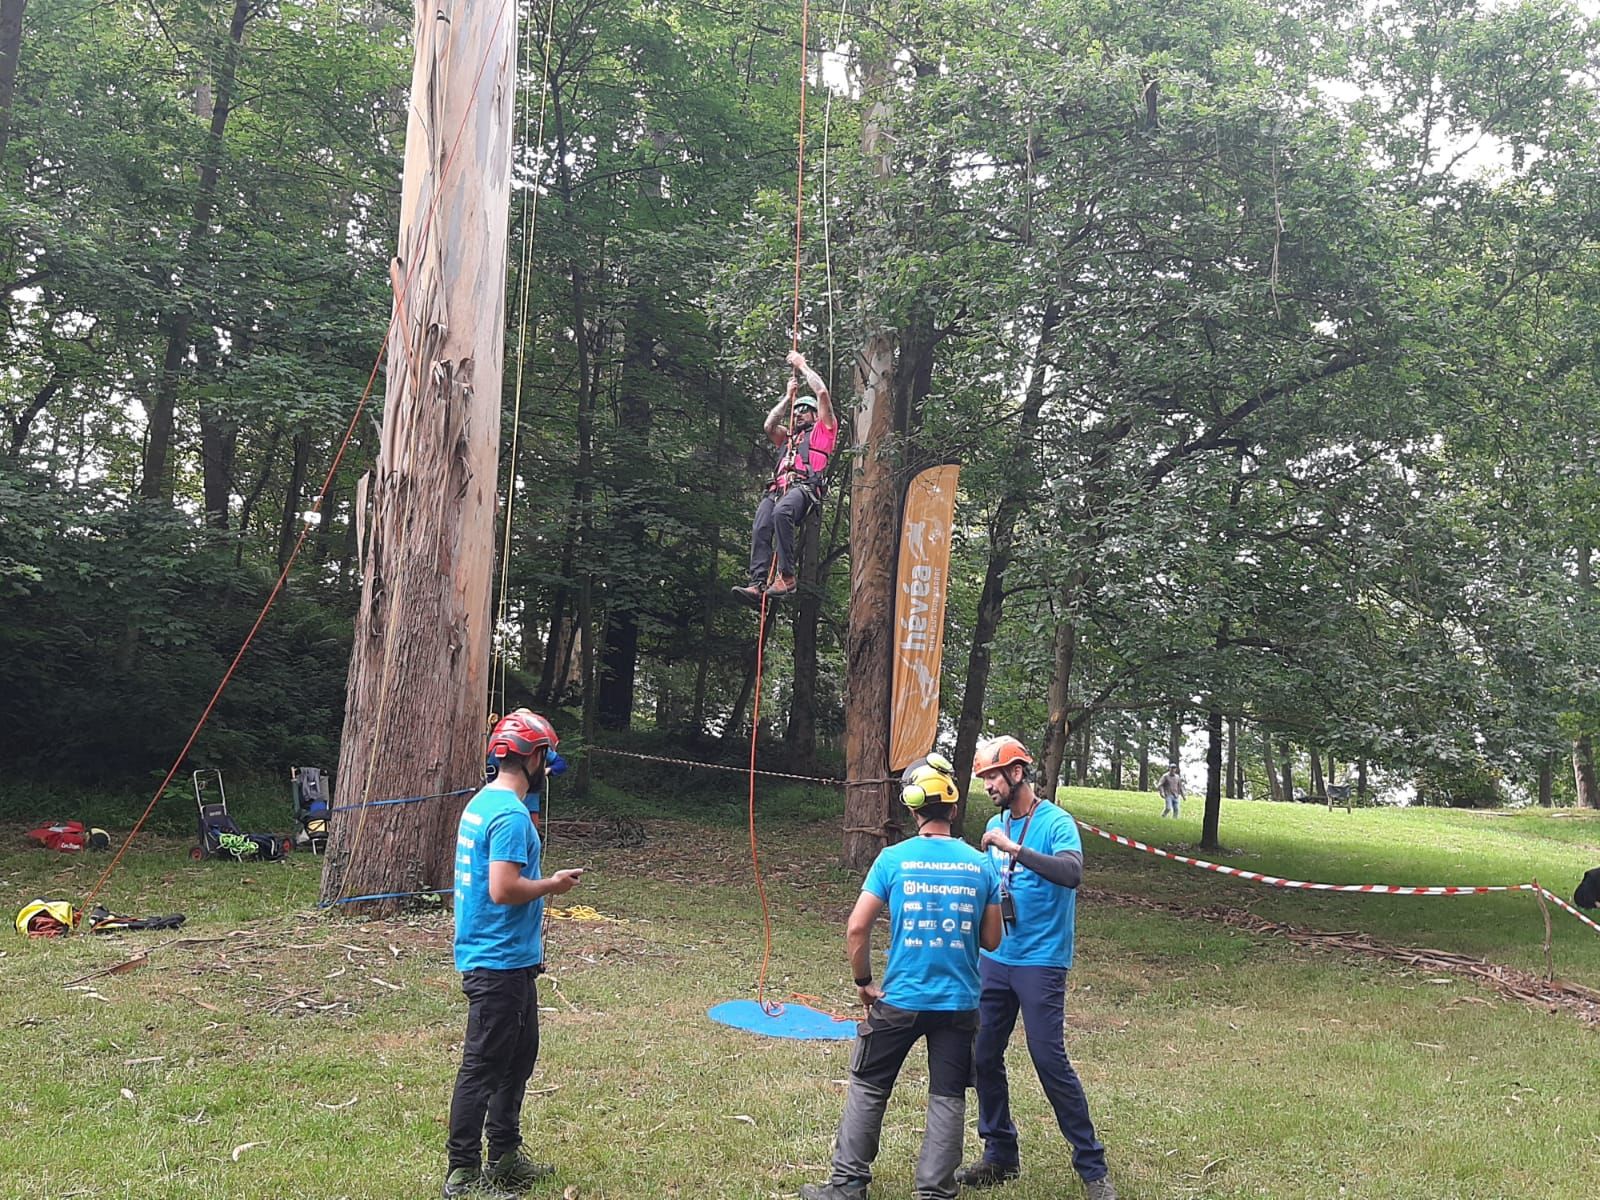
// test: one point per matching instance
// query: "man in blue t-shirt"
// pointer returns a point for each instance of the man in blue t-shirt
(499, 950)
(943, 899)
(1036, 848)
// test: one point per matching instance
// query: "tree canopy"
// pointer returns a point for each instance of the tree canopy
(1266, 335)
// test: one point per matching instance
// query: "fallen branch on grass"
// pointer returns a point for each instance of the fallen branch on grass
(1525, 987)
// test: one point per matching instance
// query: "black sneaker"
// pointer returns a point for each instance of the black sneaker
(1100, 1189)
(470, 1183)
(516, 1171)
(986, 1174)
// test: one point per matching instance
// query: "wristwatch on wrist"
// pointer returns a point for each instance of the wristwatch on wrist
(862, 981)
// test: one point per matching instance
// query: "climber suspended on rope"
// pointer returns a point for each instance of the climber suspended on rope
(805, 432)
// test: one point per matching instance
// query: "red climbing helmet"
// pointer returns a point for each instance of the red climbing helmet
(521, 732)
(997, 753)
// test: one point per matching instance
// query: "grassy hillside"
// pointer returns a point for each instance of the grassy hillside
(294, 1053)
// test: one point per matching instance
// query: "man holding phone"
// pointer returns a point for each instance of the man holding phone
(499, 950)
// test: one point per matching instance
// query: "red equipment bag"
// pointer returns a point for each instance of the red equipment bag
(60, 835)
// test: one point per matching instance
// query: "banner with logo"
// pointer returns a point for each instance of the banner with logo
(920, 586)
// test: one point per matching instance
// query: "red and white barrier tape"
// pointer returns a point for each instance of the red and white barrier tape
(1380, 888)
(1589, 921)
(1385, 889)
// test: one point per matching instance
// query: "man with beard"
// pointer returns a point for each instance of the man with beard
(1035, 846)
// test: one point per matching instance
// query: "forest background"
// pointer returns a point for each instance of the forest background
(1267, 335)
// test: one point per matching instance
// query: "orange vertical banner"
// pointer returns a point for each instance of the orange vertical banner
(920, 585)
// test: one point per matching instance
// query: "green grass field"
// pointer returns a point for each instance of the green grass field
(298, 1054)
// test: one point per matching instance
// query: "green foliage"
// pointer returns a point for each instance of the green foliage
(1309, 297)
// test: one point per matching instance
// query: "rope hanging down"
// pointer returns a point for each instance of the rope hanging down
(774, 1008)
(404, 285)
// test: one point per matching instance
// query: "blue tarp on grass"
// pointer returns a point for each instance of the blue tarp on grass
(782, 1021)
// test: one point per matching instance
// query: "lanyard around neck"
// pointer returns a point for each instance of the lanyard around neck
(1011, 867)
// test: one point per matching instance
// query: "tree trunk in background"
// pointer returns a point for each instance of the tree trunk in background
(733, 732)
(218, 440)
(1233, 791)
(583, 488)
(1085, 749)
(1547, 781)
(1116, 764)
(1361, 778)
(1586, 787)
(1274, 786)
(1059, 728)
(156, 475)
(1211, 823)
(11, 12)
(1002, 544)
(289, 522)
(615, 687)
(419, 671)
(1144, 755)
(1319, 788)
(1174, 738)
(1583, 772)
(550, 672)
(800, 733)
(1286, 752)
(709, 601)
(614, 706)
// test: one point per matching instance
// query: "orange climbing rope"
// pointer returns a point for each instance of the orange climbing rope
(774, 1008)
(800, 180)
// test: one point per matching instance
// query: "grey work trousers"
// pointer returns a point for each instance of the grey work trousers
(881, 1046)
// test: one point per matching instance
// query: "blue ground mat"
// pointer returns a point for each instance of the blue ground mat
(782, 1021)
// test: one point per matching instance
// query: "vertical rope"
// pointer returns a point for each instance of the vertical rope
(761, 632)
(530, 223)
(800, 174)
(755, 854)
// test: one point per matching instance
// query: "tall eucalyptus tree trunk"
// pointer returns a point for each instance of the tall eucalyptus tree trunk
(419, 673)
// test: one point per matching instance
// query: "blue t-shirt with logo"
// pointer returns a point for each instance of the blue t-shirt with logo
(937, 889)
(1043, 932)
(496, 827)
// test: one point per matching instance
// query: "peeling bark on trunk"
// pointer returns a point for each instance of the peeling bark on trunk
(419, 673)
(874, 507)
(874, 513)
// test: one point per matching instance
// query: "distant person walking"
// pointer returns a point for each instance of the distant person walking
(943, 899)
(1170, 789)
(499, 950)
(1036, 847)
